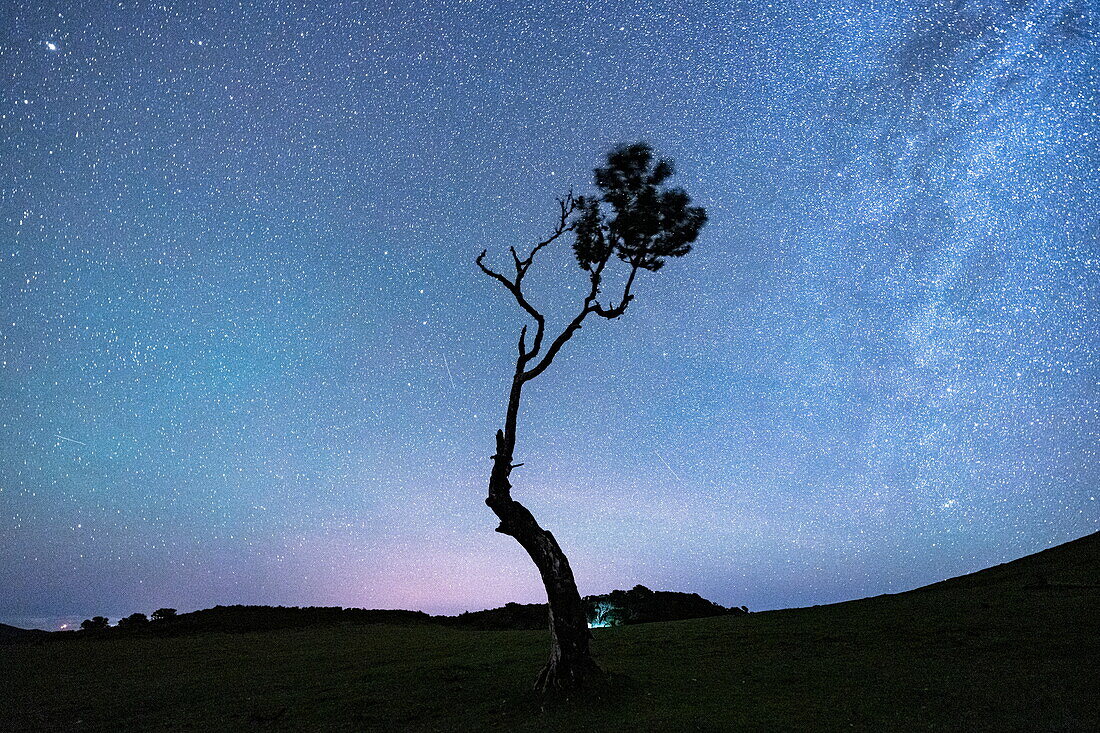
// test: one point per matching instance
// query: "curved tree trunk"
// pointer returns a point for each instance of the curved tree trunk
(649, 225)
(570, 663)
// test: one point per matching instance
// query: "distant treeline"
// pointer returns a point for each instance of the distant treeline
(638, 605)
(236, 619)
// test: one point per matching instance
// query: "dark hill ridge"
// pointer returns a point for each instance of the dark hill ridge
(1075, 564)
(1011, 648)
(11, 634)
(618, 608)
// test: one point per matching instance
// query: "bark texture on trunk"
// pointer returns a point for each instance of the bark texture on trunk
(570, 664)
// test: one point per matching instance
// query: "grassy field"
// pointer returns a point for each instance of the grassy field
(1015, 647)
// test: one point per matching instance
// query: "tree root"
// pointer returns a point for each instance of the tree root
(561, 677)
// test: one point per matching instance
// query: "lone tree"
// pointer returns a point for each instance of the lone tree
(640, 221)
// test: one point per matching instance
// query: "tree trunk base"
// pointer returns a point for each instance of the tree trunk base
(561, 676)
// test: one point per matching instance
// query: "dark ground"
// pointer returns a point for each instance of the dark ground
(1016, 647)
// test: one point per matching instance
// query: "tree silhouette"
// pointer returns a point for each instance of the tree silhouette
(134, 621)
(164, 614)
(95, 623)
(639, 221)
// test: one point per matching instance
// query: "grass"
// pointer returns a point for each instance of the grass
(1012, 648)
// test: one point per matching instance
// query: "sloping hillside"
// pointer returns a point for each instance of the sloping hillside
(1071, 564)
(13, 634)
(991, 651)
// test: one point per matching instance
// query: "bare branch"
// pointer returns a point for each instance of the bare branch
(595, 275)
(491, 273)
(590, 306)
(517, 293)
(518, 263)
(555, 347)
(621, 307)
(566, 207)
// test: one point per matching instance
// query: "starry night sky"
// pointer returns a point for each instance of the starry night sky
(246, 356)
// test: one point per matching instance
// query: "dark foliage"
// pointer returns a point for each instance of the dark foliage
(164, 614)
(242, 619)
(642, 605)
(508, 616)
(619, 607)
(134, 621)
(95, 623)
(646, 223)
(266, 618)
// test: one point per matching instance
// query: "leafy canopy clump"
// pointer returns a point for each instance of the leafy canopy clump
(635, 217)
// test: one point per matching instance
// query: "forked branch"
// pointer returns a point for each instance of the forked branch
(590, 306)
(566, 206)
